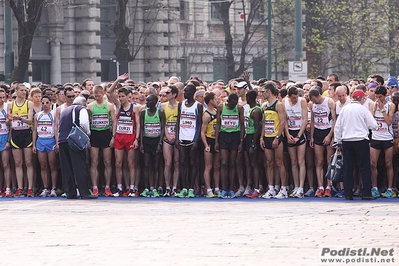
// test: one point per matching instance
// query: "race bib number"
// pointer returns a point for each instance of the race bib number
(187, 121)
(100, 121)
(19, 125)
(45, 129)
(269, 127)
(152, 129)
(171, 128)
(229, 121)
(125, 126)
(3, 127)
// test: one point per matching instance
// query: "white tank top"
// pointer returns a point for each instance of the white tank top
(4, 129)
(384, 132)
(367, 103)
(188, 124)
(45, 125)
(338, 106)
(321, 113)
(294, 114)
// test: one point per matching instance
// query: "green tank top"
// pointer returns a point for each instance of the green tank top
(249, 122)
(229, 120)
(100, 118)
(152, 124)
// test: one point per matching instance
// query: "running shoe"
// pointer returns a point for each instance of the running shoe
(8, 194)
(64, 195)
(155, 193)
(239, 192)
(319, 193)
(299, 194)
(126, 193)
(327, 193)
(183, 193)
(19, 193)
(160, 191)
(133, 193)
(340, 194)
(387, 194)
(167, 193)
(309, 193)
(254, 195)
(232, 194)
(271, 193)
(118, 193)
(145, 193)
(45, 193)
(53, 193)
(375, 193)
(95, 191)
(223, 194)
(356, 192)
(30, 193)
(283, 194)
(173, 193)
(210, 194)
(191, 193)
(292, 195)
(247, 191)
(108, 192)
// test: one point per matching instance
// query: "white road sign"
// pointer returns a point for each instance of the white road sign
(298, 70)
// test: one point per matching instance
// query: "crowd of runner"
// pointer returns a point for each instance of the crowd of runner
(252, 138)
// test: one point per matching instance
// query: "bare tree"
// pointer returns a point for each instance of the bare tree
(27, 13)
(254, 21)
(124, 50)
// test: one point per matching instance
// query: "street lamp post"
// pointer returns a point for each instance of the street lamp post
(269, 39)
(8, 52)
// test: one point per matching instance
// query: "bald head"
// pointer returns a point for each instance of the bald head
(341, 93)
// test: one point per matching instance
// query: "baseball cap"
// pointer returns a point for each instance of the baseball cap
(358, 94)
(242, 85)
(372, 85)
(392, 82)
(156, 84)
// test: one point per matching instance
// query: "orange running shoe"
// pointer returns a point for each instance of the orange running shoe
(327, 193)
(108, 192)
(95, 191)
(319, 193)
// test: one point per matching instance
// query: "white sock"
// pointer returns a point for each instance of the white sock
(271, 187)
(132, 187)
(209, 190)
(216, 189)
(120, 187)
(321, 188)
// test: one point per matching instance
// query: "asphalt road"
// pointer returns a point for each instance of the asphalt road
(200, 231)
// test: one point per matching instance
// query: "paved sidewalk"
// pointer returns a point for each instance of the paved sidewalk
(142, 231)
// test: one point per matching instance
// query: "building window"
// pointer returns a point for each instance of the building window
(219, 69)
(259, 14)
(183, 10)
(41, 71)
(259, 68)
(215, 10)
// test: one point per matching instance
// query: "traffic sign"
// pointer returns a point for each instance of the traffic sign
(298, 70)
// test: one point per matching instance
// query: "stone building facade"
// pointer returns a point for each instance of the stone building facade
(75, 40)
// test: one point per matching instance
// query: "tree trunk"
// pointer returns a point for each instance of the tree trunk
(28, 17)
(228, 39)
(122, 32)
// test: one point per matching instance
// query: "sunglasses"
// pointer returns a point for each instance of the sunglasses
(45, 102)
(71, 96)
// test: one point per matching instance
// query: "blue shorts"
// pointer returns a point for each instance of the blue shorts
(45, 144)
(3, 141)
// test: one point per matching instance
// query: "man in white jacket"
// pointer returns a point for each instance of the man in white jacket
(352, 130)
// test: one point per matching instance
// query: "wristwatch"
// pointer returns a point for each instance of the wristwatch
(277, 137)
